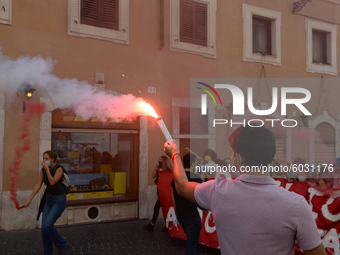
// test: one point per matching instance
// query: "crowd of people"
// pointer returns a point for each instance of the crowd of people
(326, 179)
(252, 214)
(227, 198)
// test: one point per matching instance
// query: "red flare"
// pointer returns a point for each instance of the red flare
(32, 109)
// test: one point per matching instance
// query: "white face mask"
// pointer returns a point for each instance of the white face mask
(232, 163)
(301, 178)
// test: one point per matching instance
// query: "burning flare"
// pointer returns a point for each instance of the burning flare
(149, 109)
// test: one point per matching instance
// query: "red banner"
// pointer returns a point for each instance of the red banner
(326, 210)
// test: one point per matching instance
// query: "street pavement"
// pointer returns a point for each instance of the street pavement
(124, 237)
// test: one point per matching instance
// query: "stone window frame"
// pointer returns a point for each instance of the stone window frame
(178, 46)
(6, 12)
(75, 28)
(248, 12)
(330, 29)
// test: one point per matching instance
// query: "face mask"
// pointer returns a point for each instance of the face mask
(48, 163)
(232, 163)
(301, 178)
(207, 158)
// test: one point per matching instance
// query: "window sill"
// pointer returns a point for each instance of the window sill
(321, 68)
(266, 59)
(320, 63)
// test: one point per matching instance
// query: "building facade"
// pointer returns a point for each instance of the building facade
(151, 49)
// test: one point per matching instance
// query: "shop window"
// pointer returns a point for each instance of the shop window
(261, 35)
(193, 27)
(100, 165)
(321, 54)
(100, 19)
(100, 13)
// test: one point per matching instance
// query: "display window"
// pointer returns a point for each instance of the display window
(102, 162)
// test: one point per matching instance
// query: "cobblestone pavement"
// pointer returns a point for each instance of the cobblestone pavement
(125, 237)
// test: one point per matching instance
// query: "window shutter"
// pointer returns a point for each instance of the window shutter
(201, 23)
(193, 22)
(324, 153)
(280, 148)
(100, 13)
(90, 12)
(110, 14)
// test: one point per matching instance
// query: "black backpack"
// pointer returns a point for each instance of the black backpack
(66, 180)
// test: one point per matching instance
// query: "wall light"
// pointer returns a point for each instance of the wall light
(28, 91)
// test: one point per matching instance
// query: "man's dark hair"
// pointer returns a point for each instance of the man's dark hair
(188, 159)
(255, 144)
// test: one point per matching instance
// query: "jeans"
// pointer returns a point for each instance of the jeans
(54, 207)
(192, 228)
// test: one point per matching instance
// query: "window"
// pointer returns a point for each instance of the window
(193, 22)
(262, 41)
(99, 165)
(100, 19)
(6, 12)
(193, 27)
(101, 158)
(100, 13)
(261, 35)
(321, 47)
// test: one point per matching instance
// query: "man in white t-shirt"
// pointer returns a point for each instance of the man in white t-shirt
(251, 213)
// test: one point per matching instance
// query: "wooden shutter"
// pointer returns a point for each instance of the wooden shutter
(110, 14)
(324, 153)
(280, 148)
(90, 12)
(100, 13)
(324, 144)
(193, 22)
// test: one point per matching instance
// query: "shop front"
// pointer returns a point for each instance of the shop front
(102, 160)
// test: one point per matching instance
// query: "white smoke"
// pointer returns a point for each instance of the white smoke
(81, 96)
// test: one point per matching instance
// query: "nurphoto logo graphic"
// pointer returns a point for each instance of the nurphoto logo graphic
(238, 104)
(204, 97)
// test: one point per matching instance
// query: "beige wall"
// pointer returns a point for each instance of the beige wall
(40, 27)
